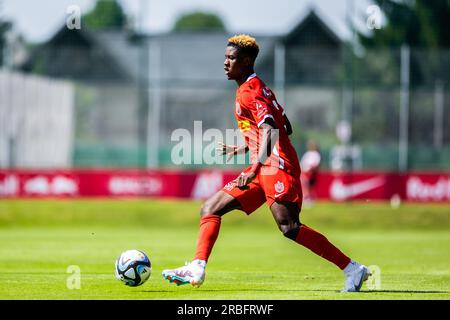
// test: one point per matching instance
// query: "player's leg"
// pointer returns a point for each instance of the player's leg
(211, 214)
(210, 220)
(287, 214)
(228, 199)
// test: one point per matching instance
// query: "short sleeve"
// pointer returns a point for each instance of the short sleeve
(259, 108)
(278, 107)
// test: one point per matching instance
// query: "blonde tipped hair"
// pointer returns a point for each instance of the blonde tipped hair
(244, 41)
(246, 44)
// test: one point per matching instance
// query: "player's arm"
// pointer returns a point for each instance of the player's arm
(231, 150)
(269, 136)
(241, 150)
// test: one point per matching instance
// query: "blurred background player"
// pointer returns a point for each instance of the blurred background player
(310, 164)
(273, 177)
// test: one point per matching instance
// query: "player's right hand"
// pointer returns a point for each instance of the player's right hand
(244, 180)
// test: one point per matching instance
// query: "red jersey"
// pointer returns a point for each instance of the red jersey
(255, 102)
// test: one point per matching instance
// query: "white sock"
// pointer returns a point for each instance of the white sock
(201, 263)
(351, 266)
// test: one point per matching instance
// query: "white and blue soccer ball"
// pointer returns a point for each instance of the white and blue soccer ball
(133, 267)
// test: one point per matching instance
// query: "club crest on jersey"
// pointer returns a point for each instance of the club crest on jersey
(279, 186)
(238, 108)
(267, 92)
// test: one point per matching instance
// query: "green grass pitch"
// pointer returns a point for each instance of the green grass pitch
(40, 239)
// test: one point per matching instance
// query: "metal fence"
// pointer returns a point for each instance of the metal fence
(395, 103)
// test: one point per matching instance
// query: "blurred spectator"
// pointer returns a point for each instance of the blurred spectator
(310, 163)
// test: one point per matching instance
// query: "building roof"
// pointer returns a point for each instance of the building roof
(117, 55)
(312, 30)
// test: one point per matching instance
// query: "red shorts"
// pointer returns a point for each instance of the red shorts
(269, 188)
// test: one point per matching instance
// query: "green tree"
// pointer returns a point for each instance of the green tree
(421, 24)
(418, 23)
(107, 14)
(5, 26)
(199, 21)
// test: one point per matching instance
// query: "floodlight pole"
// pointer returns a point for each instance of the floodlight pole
(154, 113)
(438, 135)
(11, 112)
(404, 109)
(280, 72)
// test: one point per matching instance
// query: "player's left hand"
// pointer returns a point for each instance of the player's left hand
(228, 150)
(244, 180)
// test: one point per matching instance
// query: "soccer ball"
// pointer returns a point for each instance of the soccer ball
(133, 267)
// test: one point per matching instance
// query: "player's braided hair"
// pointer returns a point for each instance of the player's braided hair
(246, 45)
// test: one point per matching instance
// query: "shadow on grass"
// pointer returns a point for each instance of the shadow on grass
(405, 291)
(299, 290)
(242, 290)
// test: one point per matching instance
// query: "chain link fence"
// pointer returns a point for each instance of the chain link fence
(124, 113)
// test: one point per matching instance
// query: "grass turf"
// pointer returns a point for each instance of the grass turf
(40, 239)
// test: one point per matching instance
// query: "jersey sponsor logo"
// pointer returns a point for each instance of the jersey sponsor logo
(341, 191)
(238, 108)
(279, 187)
(244, 125)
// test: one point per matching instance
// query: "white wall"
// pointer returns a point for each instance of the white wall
(37, 115)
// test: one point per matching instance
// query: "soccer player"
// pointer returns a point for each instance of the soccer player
(310, 164)
(273, 177)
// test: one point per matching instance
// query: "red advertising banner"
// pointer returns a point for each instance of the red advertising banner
(423, 187)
